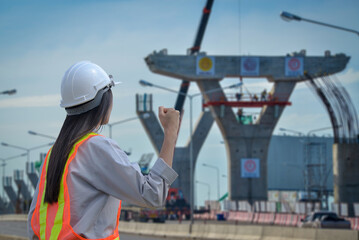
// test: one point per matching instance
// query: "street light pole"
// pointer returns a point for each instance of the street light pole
(41, 135)
(218, 184)
(119, 122)
(110, 125)
(289, 17)
(27, 150)
(9, 92)
(290, 130)
(320, 129)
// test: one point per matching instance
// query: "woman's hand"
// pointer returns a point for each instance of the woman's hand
(169, 118)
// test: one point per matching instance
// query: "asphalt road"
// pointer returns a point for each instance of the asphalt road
(18, 228)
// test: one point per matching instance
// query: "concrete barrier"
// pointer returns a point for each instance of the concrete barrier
(217, 231)
(11, 237)
(200, 230)
(330, 234)
(231, 232)
(248, 232)
(147, 229)
(300, 233)
(236, 232)
(127, 227)
(278, 233)
(13, 217)
(176, 230)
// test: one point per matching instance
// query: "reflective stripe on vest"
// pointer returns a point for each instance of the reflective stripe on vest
(52, 221)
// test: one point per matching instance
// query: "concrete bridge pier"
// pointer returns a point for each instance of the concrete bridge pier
(7, 184)
(246, 141)
(181, 158)
(31, 173)
(251, 141)
(21, 185)
(345, 171)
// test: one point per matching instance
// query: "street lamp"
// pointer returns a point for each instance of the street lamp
(144, 116)
(209, 188)
(9, 92)
(26, 149)
(289, 17)
(218, 185)
(290, 130)
(308, 133)
(148, 84)
(3, 169)
(320, 129)
(40, 134)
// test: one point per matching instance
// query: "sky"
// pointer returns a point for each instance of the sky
(41, 39)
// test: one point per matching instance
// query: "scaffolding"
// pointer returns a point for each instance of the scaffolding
(315, 172)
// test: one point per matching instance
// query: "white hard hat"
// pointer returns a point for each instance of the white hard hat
(84, 81)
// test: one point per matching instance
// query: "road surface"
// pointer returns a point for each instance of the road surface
(18, 228)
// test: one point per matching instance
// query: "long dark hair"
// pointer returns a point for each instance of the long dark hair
(74, 128)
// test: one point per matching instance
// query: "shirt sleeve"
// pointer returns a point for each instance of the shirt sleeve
(109, 170)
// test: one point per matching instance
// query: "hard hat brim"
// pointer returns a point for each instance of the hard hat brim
(85, 107)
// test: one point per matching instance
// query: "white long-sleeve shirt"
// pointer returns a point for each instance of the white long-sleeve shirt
(98, 177)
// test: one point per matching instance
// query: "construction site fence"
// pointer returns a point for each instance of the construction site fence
(283, 207)
(263, 218)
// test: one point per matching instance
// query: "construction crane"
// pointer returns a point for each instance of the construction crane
(192, 51)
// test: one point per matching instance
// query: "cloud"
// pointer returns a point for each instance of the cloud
(350, 76)
(32, 101)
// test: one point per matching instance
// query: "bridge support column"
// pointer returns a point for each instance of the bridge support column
(246, 141)
(241, 188)
(181, 158)
(345, 171)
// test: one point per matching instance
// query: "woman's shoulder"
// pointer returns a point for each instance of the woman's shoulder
(98, 138)
(99, 146)
(101, 141)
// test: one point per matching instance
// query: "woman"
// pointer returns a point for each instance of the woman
(85, 176)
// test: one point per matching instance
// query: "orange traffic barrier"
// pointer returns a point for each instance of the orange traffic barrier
(354, 222)
(256, 217)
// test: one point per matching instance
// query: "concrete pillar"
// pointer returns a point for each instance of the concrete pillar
(7, 184)
(246, 141)
(346, 174)
(181, 158)
(21, 185)
(2, 206)
(31, 173)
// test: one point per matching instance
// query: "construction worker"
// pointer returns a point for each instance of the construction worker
(85, 176)
(270, 96)
(238, 96)
(239, 115)
(264, 95)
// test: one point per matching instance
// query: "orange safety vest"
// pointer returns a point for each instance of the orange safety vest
(52, 221)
